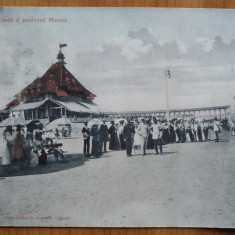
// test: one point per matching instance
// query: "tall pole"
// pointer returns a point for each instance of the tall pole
(167, 76)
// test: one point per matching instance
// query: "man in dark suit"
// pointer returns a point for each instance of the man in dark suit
(86, 138)
(103, 134)
(128, 134)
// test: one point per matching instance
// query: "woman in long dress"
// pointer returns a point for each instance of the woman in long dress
(121, 138)
(18, 154)
(137, 138)
(95, 151)
(165, 132)
(9, 136)
(117, 142)
(112, 136)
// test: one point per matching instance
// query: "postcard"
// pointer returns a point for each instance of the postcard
(117, 117)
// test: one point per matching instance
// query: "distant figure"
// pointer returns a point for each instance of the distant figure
(103, 134)
(143, 132)
(112, 134)
(216, 129)
(37, 140)
(199, 132)
(128, 134)
(86, 138)
(117, 142)
(205, 128)
(57, 133)
(157, 135)
(182, 131)
(150, 143)
(177, 131)
(9, 136)
(121, 138)
(165, 132)
(95, 151)
(189, 132)
(18, 154)
(172, 132)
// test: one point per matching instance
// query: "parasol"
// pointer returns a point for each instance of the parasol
(94, 121)
(120, 120)
(58, 122)
(13, 121)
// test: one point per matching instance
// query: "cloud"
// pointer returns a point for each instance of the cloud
(138, 60)
(128, 70)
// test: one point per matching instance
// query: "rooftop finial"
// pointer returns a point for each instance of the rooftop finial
(60, 56)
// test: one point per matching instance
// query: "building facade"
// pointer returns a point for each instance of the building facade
(57, 93)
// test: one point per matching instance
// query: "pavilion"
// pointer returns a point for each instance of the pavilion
(57, 93)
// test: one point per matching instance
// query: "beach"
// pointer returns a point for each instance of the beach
(191, 185)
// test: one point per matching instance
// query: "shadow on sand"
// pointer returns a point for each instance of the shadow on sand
(71, 161)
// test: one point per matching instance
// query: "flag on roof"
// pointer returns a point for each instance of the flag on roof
(63, 45)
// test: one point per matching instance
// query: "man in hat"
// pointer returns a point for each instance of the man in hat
(86, 138)
(128, 134)
(103, 134)
(143, 132)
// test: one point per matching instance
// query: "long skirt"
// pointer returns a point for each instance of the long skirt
(172, 136)
(112, 142)
(137, 140)
(150, 143)
(166, 136)
(6, 160)
(117, 143)
(96, 151)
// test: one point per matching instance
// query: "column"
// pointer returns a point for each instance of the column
(36, 115)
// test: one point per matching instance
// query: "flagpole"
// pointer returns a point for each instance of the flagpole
(167, 75)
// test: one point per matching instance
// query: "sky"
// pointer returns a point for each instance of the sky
(121, 54)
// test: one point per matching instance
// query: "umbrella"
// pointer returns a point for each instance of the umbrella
(13, 121)
(120, 120)
(62, 121)
(34, 124)
(58, 122)
(94, 121)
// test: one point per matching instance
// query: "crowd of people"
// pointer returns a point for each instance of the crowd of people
(28, 146)
(147, 134)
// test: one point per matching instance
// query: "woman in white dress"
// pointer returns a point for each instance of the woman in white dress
(137, 138)
(9, 136)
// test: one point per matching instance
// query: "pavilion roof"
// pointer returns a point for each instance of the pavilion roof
(56, 80)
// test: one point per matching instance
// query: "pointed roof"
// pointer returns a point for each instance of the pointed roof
(57, 80)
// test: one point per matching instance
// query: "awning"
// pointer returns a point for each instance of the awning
(73, 106)
(31, 105)
(95, 108)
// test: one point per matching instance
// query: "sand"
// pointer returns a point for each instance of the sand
(192, 185)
